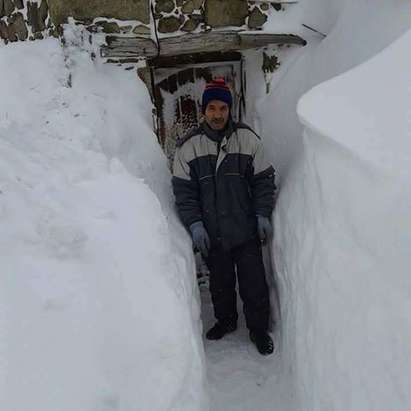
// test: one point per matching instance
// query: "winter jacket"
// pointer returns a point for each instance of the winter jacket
(224, 182)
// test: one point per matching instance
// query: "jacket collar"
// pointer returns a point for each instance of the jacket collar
(218, 135)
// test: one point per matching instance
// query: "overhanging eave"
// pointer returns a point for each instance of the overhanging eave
(215, 41)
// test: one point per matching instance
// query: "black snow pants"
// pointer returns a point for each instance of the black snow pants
(248, 262)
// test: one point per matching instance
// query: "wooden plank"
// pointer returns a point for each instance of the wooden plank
(251, 41)
(193, 58)
(216, 41)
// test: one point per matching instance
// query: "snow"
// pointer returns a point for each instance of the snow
(342, 219)
(99, 309)
(358, 133)
(239, 377)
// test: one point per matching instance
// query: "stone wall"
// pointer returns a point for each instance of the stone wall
(171, 16)
(198, 15)
(34, 19)
(23, 20)
(87, 10)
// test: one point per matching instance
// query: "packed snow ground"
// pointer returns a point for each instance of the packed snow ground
(239, 377)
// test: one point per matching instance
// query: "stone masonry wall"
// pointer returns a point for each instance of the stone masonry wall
(35, 19)
(25, 20)
(199, 15)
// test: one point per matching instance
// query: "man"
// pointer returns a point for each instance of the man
(224, 191)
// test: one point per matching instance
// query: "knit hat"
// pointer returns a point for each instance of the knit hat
(216, 90)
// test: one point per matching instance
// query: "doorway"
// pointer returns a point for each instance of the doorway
(178, 92)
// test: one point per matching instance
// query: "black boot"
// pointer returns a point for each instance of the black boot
(219, 330)
(262, 341)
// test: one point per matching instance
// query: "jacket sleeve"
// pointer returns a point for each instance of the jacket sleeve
(186, 190)
(262, 183)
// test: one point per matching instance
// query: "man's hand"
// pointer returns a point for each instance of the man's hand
(200, 237)
(265, 230)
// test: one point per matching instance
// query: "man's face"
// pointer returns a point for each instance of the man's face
(216, 114)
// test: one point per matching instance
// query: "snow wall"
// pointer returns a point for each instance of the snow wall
(342, 219)
(99, 306)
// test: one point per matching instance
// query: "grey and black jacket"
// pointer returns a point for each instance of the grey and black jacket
(225, 182)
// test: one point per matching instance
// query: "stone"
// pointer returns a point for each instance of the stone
(33, 18)
(17, 26)
(43, 14)
(1, 9)
(142, 30)
(270, 63)
(198, 4)
(169, 24)
(4, 31)
(60, 10)
(220, 13)
(8, 7)
(257, 19)
(19, 4)
(188, 7)
(180, 3)
(165, 6)
(190, 25)
(264, 6)
(191, 5)
(109, 27)
(277, 6)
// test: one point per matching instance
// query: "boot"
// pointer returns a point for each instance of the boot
(219, 330)
(262, 341)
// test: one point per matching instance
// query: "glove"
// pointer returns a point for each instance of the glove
(265, 230)
(201, 240)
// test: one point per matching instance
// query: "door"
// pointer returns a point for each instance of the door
(178, 93)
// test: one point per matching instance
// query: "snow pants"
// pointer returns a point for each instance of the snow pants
(247, 262)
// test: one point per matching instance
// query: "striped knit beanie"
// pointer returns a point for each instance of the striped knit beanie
(216, 90)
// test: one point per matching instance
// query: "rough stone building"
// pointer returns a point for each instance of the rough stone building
(177, 45)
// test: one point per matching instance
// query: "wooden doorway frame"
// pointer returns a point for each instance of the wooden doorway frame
(184, 62)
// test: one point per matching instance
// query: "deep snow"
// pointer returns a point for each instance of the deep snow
(98, 306)
(357, 153)
(99, 309)
(342, 217)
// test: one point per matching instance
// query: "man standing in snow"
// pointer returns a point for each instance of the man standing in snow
(224, 191)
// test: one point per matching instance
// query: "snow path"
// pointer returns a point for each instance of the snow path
(240, 379)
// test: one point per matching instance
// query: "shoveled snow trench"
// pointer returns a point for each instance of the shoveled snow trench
(99, 307)
(239, 377)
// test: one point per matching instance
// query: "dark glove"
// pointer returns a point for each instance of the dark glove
(200, 237)
(265, 230)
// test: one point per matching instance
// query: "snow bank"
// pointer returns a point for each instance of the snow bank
(98, 301)
(356, 30)
(342, 220)
(353, 270)
(342, 216)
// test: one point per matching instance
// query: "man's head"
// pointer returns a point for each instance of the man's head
(216, 104)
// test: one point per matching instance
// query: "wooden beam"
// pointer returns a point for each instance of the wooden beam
(214, 41)
(194, 58)
(253, 41)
